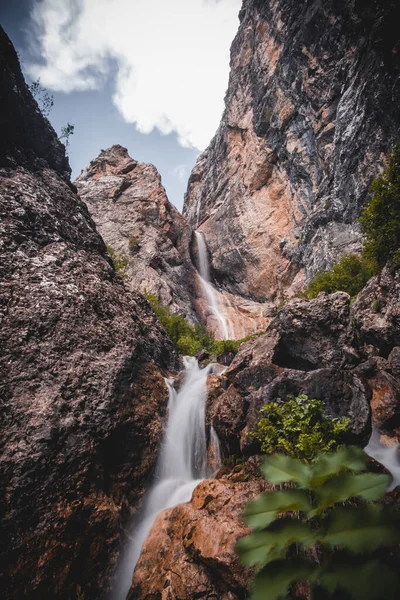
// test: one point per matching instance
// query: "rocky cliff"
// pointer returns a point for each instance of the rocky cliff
(312, 108)
(81, 370)
(346, 356)
(134, 217)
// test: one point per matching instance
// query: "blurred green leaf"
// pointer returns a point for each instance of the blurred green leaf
(274, 581)
(279, 468)
(347, 457)
(362, 529)
(261, 547)
(262, 511)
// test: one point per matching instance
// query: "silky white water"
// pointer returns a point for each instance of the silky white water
(182, 463)
(388, 456)
(208, 289)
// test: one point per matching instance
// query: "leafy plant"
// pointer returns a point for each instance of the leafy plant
(66, 132)
(120, 261)
(344, 561)
(380, 224)
(187, 338)
(380, 220)
(42, 97)
(349, 275)
(299, 428)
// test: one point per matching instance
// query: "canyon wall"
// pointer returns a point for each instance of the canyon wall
(82, 362)
(312, 108)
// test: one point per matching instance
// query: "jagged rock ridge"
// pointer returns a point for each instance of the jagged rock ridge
(133, 214)
(311, 110)
(82, 362)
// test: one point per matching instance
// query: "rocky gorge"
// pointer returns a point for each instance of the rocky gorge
(312, 110)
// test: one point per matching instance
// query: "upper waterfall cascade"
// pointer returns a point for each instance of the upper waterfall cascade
(208, 289)
(182, 462)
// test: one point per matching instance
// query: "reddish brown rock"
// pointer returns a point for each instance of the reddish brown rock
(190, 551)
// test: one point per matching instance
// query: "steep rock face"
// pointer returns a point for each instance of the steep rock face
(311, 109)
(190, 551)
(81, 371)
(133, 214)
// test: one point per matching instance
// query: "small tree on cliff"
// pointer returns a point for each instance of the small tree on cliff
(380, 220)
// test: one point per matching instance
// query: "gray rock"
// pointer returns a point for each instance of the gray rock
(132, 212)
(312, 108)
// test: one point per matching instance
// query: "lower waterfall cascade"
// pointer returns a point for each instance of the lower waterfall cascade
(208, 289)
(181, 466)
(388, 456)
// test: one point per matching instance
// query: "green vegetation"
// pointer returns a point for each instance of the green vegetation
(46, 102)
(299, 428)
(120, 261)
(42, 97)
(189, 339)
(380, 220)
(66, 132)
(349, 275)
(345, 542)
(380, 224)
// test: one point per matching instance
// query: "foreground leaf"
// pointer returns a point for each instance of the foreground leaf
(261, 547)
(368, 486)
(370, 581)
(348, 457)
(362, 529)
(274, 581)
(262, 511)
(279, 468)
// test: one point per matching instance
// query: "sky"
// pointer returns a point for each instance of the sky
(150, 75)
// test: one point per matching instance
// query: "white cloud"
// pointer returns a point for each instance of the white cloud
(180, 172)
(171, 58)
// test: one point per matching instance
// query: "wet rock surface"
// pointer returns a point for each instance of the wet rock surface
(131, 210)
(312, 108)
(190, 551)
(82, 361)
(318, 348)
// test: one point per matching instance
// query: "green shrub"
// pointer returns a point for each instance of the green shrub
(349, 275)
(299, 428)
(120, 261)
(380, 224)
(187, 338)
(344, 539)
(380, 220)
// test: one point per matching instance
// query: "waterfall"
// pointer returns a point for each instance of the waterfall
(388, 456)
(208, 289)
(182, 462)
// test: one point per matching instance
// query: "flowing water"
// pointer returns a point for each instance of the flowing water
(208, 288)
(388, 456)
(182, 463)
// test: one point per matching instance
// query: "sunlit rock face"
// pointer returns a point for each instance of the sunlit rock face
(312, 107)
(82, 362)
(132, 212)
(190, 551)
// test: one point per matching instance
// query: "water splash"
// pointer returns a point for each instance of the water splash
(182, 463)
(208, 289)
(388, 456)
